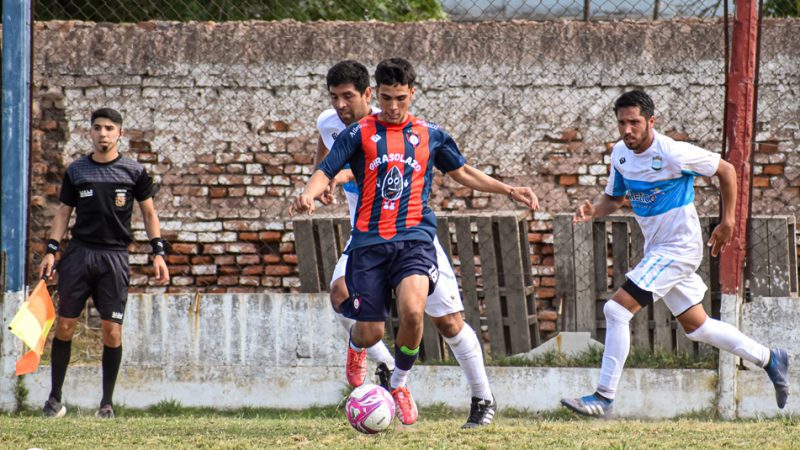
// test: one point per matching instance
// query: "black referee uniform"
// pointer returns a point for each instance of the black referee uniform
(96, 261)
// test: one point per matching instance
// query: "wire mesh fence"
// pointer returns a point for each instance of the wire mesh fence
(221, 108)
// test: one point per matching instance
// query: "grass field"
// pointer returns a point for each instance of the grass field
(170, 426)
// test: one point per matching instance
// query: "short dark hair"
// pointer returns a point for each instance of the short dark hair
(395, 71)
(348, 72)
(636, 98)
(107, 113)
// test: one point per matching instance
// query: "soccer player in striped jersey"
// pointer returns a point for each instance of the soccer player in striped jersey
(657, 173)
(392, 155)
(348, 87)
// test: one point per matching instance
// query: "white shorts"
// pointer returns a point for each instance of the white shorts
(444, 300)
(673, 280)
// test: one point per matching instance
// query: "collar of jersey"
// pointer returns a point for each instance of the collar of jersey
(119, 155)
(408, 120)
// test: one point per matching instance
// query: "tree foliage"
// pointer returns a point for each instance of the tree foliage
(782, 8)
(234, 10)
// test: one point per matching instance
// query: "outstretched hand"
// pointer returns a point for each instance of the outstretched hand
(303, 203)
(585, 212)
(524, 196)
(720, 238)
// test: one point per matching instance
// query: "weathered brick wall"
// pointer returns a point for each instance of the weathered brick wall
(224, 115)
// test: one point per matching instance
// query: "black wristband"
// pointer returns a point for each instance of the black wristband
(157, 245)
(52, 247)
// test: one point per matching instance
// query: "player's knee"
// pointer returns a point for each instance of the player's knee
(65, 328)
(412, 318)
(367, 334)
(614, 312)
(339, 294)
(449, 325)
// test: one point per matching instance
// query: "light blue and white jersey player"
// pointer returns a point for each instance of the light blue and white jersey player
(657, 174)
(445, 299)
(660, 185)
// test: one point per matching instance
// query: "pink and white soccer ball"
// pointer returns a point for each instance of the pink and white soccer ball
(370, 409)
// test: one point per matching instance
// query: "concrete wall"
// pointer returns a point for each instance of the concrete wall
(287, 351)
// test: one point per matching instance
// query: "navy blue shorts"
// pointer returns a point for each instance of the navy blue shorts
(374, 271)
(85, 272)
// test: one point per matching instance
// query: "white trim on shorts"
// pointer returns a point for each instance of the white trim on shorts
(444, 300)
(671, 279)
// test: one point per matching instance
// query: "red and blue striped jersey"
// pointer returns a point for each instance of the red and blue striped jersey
(393, 166)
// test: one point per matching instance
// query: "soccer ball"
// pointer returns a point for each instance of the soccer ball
(370, 409)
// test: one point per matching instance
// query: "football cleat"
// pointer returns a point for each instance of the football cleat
(590, 405)
(405, 406)
(778, 371)
(481, 412)
(384, 375)
(356, 367)
(54, 408)
(105, 412)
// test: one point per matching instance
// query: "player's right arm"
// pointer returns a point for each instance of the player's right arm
(610, 202)
(342, 177)
(326, 198)
(606, 205)
(57, 232)
(342, 150)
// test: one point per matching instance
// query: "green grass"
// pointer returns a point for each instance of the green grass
(169, 425)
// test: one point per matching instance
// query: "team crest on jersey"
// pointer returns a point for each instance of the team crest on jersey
(656, 164)
(120, 198)
(334, 135)
(622, 160)
(375, 138)
(392, 188)
(413, 137)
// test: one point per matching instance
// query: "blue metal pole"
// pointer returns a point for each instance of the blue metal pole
(15, 139)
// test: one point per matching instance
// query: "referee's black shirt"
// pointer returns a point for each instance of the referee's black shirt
(102, 195)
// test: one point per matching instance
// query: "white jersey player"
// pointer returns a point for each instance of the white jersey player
(657, 174)
(348, 88)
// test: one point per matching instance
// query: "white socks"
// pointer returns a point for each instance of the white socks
(399, 378)
(467, 350)
(378, 352)
(726, 337)
(617, 347)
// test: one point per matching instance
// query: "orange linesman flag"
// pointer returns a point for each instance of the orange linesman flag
(31, 324)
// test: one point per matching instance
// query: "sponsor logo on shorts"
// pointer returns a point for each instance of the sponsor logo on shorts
(116, 315)
(86, 193)
(433, 272)
(356, 301)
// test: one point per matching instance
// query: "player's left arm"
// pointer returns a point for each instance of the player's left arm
(153, 228)
(473, 178)
(723, 233)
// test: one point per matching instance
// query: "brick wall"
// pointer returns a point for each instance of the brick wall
(223, 115)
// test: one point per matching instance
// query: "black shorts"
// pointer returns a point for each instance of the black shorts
(85, 272)
(374, 271)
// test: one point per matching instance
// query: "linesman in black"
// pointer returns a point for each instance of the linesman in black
(101, 187)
